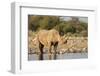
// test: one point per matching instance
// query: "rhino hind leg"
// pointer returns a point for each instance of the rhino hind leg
(41, 46)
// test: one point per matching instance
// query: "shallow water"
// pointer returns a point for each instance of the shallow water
(32, 57)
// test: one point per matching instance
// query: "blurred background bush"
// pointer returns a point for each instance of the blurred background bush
(69, 26)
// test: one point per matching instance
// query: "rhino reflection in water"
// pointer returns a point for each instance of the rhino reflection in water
(51, 39)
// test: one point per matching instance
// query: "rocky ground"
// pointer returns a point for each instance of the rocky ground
(73, 45)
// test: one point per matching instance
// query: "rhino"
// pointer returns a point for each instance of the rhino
(49, 38)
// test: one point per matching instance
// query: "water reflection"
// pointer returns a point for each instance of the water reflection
(54, 56)
(40, 57)
(57, 56)
(50, 56)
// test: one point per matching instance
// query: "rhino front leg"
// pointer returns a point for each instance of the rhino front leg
(55, 50)
(49, 53)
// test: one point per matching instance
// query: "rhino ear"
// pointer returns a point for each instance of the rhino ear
(64, 36)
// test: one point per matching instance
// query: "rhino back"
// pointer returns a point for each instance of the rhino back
(47, 36)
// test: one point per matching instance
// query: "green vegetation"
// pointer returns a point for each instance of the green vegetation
(72, 27)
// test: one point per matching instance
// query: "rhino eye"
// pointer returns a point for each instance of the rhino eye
(62, 33)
